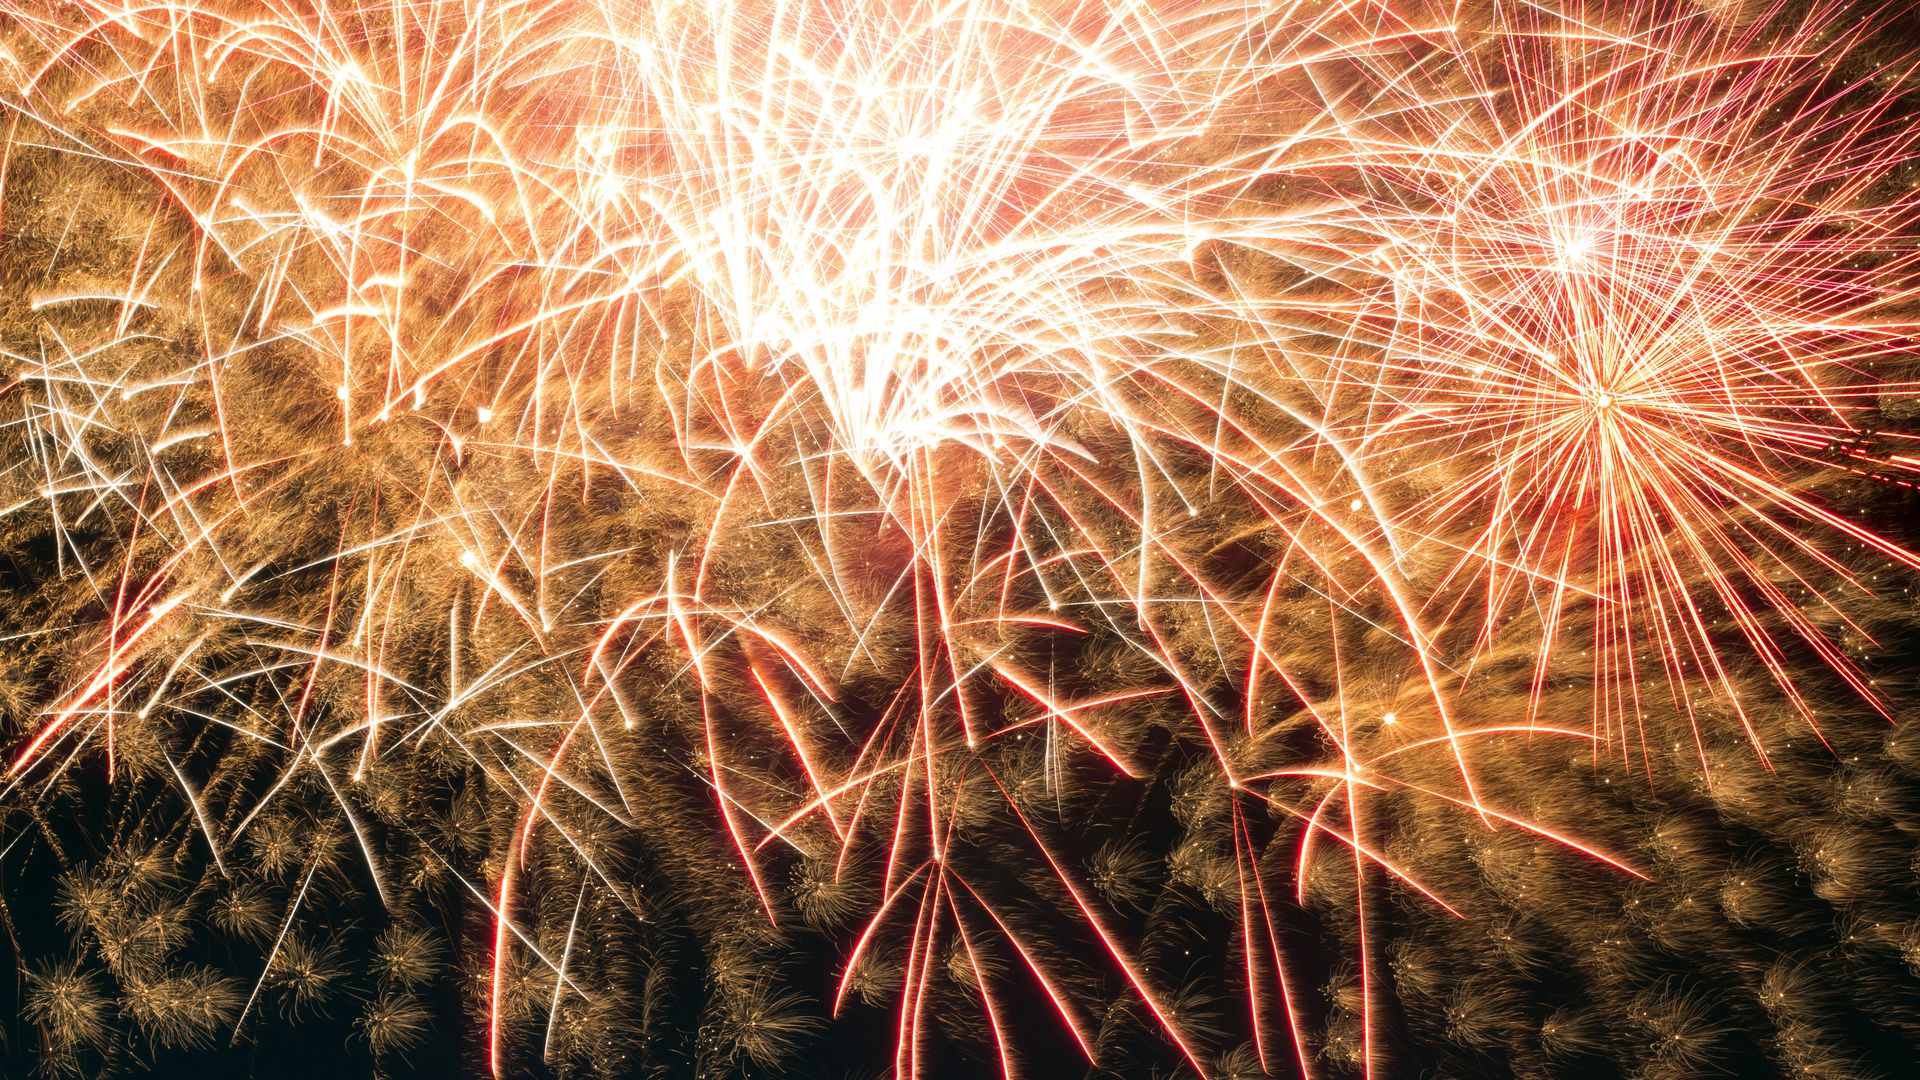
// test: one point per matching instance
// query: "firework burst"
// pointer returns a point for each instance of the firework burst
(948, 477)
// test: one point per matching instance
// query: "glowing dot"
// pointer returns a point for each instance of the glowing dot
(1355, 505)
(469, 560)
(483, 414)
(1389, 718)
(341, 392)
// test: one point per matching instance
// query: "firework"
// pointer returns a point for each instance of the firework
(925, 475)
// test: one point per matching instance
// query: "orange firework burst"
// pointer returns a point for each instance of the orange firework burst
(1647, 288)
